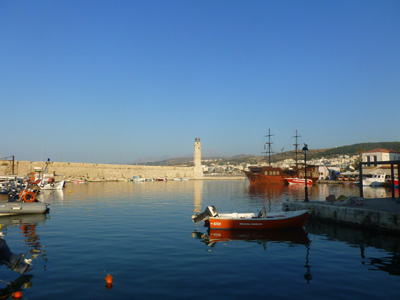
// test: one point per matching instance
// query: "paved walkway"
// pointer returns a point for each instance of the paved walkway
(382, 204)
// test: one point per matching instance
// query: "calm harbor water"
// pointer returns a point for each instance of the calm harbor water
(142, 234)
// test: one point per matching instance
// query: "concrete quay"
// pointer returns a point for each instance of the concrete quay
(379, 214)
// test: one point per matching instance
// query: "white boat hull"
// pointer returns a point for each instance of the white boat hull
(298, 181)
(52, 186)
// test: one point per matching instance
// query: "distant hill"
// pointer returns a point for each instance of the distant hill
(353, 149)
(254, 159)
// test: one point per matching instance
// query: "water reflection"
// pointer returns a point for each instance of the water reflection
(316, 191)
(293, 236)
(197, 195)
(376, 192)
(363, 240)
(267, 191)
(51, 196)
(27, 225)
(17, 263)
(262, 237)
(21, 283)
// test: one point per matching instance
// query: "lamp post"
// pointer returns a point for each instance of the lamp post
(305, 151)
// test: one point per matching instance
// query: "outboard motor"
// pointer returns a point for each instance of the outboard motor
(209, 212)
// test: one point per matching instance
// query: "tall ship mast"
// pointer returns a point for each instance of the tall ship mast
(269, 143)
(275, 175)
(296, 148)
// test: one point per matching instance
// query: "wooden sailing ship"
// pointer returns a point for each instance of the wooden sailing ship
(276, 175)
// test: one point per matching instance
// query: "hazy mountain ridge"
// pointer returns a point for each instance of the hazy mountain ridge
(254, 159)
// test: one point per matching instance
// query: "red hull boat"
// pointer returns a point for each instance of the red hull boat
(298, 181)
(396, 183)
(274, 175)
(264, 221)
(270, 221)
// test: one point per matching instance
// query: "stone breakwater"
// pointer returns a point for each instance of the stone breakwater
(96, 172)
(380, 214)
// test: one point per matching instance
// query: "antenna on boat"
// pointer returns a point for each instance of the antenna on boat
(269, 143)
(296, 148)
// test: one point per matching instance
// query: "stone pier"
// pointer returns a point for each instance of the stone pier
(382, 214)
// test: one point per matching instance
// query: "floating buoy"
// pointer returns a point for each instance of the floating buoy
(109, 279)
(17, 295)
(109, 282)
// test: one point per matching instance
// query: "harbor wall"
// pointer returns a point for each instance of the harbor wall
(96, 172)
(366, 218)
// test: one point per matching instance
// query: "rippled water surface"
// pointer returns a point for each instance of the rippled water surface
(142, 234)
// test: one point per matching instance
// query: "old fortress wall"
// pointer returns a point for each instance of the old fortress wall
(96, 172)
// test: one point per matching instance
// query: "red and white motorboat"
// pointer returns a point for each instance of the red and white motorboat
(264, 221)
(298, 181)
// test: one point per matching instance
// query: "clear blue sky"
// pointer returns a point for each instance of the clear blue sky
(120, 81)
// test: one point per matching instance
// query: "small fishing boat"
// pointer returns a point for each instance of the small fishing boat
(18, 208)
(79, 181)
(375, 180)
(45, 181)
(51, 184)
(264, 221)
(298, 181)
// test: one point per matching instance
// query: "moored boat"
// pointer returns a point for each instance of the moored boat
(298, 181)
(263, 221)
(275, 175)
(395, 183)
(267, 175)
(374, 180)
(19, 208)
(51, 184)
(79, 181)
(45, 181)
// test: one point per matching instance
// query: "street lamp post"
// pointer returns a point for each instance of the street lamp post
(305, 151)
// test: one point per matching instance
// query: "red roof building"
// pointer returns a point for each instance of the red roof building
(378, 154)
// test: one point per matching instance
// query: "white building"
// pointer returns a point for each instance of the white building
(375, 155)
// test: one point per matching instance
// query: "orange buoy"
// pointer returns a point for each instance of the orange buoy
(109, 279)
(109, 282)
(17, 295)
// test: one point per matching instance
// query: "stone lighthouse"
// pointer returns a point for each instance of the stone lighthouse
(197, 170)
